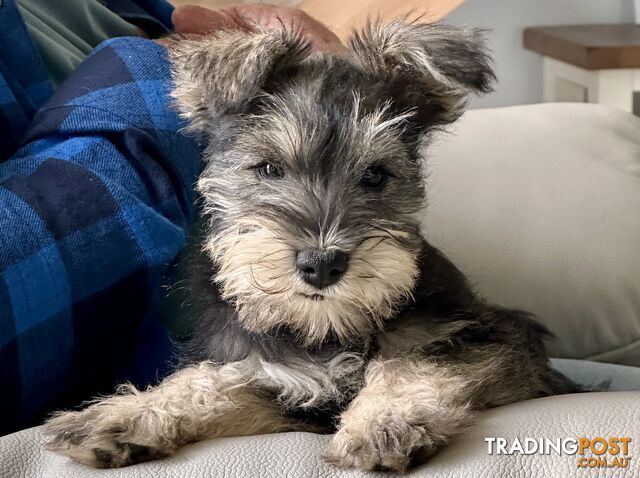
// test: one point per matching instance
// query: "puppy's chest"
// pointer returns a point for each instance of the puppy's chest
(299, 377)
(311, 381)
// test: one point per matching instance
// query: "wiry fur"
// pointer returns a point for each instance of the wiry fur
(400, 354)
(193, 404)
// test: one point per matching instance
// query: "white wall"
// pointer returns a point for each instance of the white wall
(520, 71)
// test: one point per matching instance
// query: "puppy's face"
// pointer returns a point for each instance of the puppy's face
(313, 176)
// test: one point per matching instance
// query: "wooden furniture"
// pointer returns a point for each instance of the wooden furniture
(589, 63)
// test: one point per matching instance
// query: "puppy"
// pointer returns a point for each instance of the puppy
(318, 305)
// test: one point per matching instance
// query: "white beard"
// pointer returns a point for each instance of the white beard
(257, 272)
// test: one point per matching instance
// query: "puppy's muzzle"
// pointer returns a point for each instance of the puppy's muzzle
(321, 268)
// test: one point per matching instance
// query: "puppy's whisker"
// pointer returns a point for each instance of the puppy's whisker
(372, 247)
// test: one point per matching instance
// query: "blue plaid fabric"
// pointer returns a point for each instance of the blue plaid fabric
(24, 82)
(93, 208)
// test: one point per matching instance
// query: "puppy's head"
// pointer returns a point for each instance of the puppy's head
(313, 177)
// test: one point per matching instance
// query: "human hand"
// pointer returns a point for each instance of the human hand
(192, 19)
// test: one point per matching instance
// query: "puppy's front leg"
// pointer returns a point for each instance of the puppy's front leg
(407, 406)
(198, 402)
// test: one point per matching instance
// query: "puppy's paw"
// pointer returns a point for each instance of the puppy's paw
(379, 446)
(98, 439)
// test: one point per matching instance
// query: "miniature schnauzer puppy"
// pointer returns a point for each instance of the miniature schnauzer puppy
(318, 305)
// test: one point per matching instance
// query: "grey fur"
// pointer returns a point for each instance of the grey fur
(400, 355)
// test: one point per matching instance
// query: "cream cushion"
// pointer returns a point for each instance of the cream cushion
(540, 206)
(298, 455)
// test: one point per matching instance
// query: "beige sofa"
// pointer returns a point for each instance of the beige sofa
(540, 206)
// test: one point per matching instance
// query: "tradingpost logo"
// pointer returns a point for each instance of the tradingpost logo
(589, 452)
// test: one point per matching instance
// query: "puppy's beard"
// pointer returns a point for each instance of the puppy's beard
(257, 272)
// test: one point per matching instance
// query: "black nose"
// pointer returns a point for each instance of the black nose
(321, 268)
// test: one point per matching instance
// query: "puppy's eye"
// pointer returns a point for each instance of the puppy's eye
(269, 171)
(375, 177)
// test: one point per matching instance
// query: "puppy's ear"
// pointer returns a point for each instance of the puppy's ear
(222, 73)
(431, 67)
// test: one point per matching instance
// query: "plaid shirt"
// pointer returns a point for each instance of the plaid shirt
(93, 208)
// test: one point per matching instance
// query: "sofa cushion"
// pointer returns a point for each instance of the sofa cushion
(540, 206)
(599, 376)
(295, 455)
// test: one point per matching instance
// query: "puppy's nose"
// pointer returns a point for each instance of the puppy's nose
(321, 268)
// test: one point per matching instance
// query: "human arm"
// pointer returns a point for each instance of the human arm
(93, 208)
